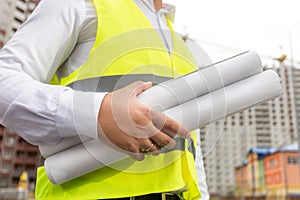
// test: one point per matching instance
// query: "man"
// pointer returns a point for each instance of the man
(80, 43)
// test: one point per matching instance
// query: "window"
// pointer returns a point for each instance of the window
(10, 141)
(8, 154)
(18, 20)
(20, 9)
(21, 154)
(3, 182)
(5, 166)
(272, 163)
(292, 160)
(18, 167)
(32, 154)
(30, 167)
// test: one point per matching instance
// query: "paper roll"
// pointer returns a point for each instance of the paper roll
(48, 150)
(183, 89)
(233, 98)
(79, 160)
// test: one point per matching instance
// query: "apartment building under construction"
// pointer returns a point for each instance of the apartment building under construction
(272, 124)
(16, 156)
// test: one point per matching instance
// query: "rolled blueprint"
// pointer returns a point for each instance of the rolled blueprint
(84, 158)
(178, 91)
(61, 168)
(223, 102)
(185, 88)
(48, 150)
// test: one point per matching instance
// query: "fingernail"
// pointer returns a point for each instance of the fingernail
(148, 82)
(156, 153)
(187, 134)
(140, 157)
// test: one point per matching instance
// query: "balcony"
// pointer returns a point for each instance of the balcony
(26, 160)
(27, 148)
(4, 172)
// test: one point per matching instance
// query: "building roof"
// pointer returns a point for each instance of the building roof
(261, 151)
(290, 147)
(264, 151)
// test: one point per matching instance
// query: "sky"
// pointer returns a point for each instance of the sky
(225, 27)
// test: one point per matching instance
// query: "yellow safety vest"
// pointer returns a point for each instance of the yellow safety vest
(127, 45)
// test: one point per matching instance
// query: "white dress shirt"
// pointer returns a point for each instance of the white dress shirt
(57, 38)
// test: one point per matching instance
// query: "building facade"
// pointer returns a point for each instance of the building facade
(271, 174)
(12, 14)
(275, 123)
(16, 157)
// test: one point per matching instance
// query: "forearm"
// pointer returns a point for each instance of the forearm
(43, 113)
(39, 112)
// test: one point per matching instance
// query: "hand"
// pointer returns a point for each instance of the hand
(132, 127)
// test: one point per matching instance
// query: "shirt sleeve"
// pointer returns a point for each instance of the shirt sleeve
(39, 112)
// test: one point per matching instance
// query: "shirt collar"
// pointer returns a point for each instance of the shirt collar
(168, 10)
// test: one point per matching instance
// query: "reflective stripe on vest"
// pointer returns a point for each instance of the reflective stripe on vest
(126, 44)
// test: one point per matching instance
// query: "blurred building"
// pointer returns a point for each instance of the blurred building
(250, 176)
(275, 123)
(16, 157)
(269, 174)
(12, 14)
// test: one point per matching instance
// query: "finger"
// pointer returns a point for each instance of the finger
(162, 139)
(133, 151)
(150, 146)
(157, 151)
(176, 128)
(168, 125)
(137, 156)
(127, 145)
